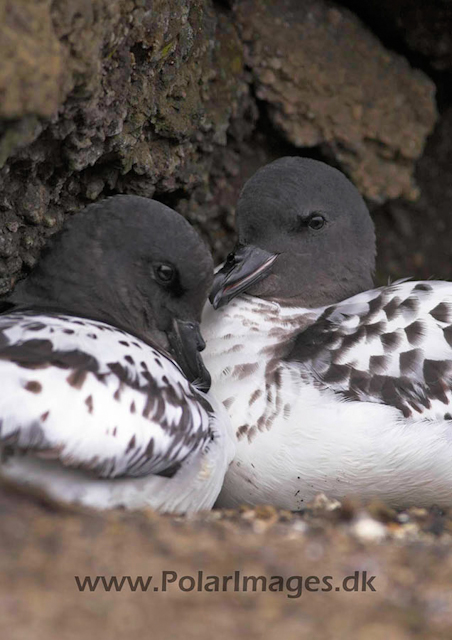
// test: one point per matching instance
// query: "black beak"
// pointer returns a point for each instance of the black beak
(186, 342)
(243, 268)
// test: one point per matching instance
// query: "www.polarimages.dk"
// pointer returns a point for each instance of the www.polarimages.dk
(294, 586)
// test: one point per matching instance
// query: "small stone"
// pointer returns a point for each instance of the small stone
(367, 529)
(403, 518)
(322, 502)
(94, 188)
(12, 226)
(266, 512)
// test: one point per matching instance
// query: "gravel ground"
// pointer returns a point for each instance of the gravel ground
(306, 555)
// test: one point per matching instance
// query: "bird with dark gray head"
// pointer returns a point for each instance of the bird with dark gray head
(331, 385)
(134, 263)
(104, 397)
(305, 237)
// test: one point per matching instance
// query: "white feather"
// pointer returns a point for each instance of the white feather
(99, 439)
(297, 436)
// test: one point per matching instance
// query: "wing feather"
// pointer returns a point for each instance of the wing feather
(95, 398)
(391, 345)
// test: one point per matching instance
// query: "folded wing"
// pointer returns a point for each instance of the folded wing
(391, 345)
(95, 398)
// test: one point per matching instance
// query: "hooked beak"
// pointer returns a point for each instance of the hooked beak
(248, 265)
(186, 342)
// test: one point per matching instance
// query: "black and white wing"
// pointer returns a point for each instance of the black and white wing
(95, 398)
(391, 345)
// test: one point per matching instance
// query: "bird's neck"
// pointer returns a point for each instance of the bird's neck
(107, 304)
(246, 345)
(250, 328)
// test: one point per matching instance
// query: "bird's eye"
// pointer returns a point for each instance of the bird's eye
(230, 258)
(164, 273)
(316, 222)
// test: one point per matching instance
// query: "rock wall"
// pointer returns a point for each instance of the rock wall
(326, 80)
(105, 97)
(182, 100)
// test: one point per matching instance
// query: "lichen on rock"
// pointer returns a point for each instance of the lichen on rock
(103, 97)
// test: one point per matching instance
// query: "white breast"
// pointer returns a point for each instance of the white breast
(104, 419)
(295, 438)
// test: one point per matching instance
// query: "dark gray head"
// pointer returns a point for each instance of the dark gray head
(305, 237)
(131, 262)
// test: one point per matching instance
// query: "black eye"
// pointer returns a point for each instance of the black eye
(316, 222)
(230, 258)
(164, 273)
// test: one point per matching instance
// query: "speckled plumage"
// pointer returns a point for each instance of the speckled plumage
(97, 415)
(351, 396)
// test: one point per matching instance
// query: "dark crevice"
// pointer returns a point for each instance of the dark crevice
(376, 19)
(140, 54)
(388, 33)
(170, 198)
(223, 4)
